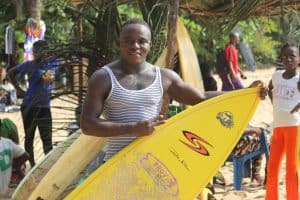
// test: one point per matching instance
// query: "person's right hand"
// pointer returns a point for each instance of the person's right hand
(295, 109)
(263, 91)
(146, 127)
(243, 76)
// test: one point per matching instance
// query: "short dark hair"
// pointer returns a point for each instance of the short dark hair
(290, 44)
(40, 43)
(40, 47)
(135, 21)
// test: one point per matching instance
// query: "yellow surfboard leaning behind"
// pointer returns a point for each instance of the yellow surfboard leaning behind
(189, 66)
(67, 167)
(179, 158)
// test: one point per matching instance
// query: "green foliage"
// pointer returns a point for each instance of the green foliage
(155, 13)
(205, 38)
(101, 22)
(265, 48)
(129, 11)
(59, 24)
(294, 28)
(262, 34)
(7, 14)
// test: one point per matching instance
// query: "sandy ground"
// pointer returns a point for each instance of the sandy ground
(262, 117)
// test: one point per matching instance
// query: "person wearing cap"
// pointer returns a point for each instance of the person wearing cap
(232, 81)
(35, 108)
(12, 156)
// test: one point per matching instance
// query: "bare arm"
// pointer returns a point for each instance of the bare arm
(295, 109)
(98, 89)
(270, 91)
(19, 161)
(231, 71)
(181, 91)
(243, 76)
(12, 74)
(186, 94)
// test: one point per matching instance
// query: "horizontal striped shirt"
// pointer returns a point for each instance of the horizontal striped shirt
(123, 105)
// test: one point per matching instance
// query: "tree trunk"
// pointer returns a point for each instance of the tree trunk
(283, 24)
(19, 9)
(33, 9)
(171, 48)
(172, 23)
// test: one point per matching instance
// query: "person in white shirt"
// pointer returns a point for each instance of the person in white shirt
(11, 155)
(285, 96)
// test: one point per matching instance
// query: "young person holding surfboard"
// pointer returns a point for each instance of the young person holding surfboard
(285, 95)
(129, 91)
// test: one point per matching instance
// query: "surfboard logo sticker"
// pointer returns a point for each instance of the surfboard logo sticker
(160, 174)
(196, 143)
(226, 119)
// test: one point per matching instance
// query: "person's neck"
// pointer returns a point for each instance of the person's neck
(232, 43)
(132, 68)
(289, 74)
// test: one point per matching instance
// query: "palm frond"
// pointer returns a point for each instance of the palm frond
(155, 13)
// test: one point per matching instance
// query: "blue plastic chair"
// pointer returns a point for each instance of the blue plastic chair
(242, 164)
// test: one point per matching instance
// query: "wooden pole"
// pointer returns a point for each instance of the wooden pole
(171, 47)
(171, 40)
(78, 71)
(283, 24)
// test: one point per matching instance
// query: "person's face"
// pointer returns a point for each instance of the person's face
(235, 39)
(290, 58)
(39, 52)
(135, 41)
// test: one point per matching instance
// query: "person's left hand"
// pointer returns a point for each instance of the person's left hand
(295, 109)
(48, 77)
(263, 89)
(243, 76)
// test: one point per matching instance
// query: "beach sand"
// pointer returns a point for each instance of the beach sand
(262, 117)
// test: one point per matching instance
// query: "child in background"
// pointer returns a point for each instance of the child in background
(9, 130)
(11, 156)
(285, 96)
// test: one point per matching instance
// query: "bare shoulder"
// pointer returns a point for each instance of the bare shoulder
(100, 75)
(169, 74)
(99, 83)
(169, 78)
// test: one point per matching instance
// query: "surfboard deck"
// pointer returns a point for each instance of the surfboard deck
(35, 175)
(188, 60)
(67, 167)
(179, 158)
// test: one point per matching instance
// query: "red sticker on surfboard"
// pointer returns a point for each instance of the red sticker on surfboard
(196, 143)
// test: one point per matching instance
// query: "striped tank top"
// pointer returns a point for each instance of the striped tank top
(123, 105)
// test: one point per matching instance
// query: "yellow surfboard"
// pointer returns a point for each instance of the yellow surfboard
(189, 66)
(67, 168)
(161, 61)
(179, 158)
